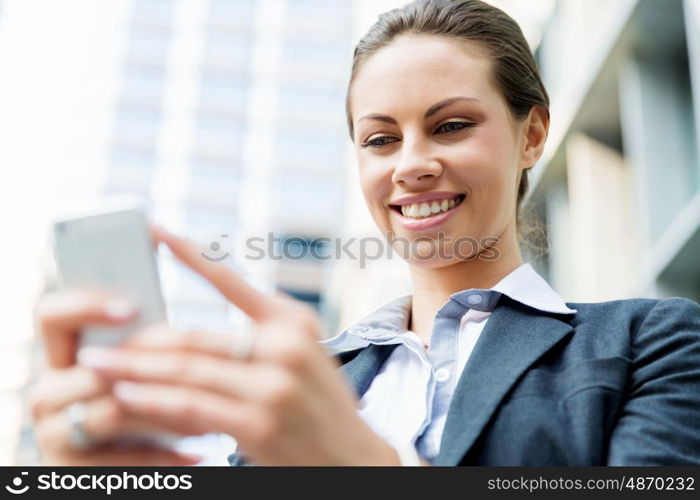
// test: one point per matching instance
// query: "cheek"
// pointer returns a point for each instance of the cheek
(376, 188)
(375, 184)
(488, 169)
(478, 165)
(490, 149)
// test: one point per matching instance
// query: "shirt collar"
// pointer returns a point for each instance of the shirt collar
(523, 284)
(386, 321)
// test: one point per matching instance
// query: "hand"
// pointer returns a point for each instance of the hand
(60, 318)
(287, 404)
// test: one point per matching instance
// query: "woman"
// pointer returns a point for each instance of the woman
(482, 364)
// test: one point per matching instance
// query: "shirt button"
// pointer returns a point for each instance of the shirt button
(442, 375)
(475, 299)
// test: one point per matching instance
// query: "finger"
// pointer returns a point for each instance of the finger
(115, 455)
(255, 304)
(189, 410)
(272, 341)
(153, 233)
(59, 388)
(281, 363)
(226, 377)
(105, 422)
(61, 316)
(162, 337)
(227, 345)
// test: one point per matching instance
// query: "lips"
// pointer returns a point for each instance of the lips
(428, 213)
(427, 205)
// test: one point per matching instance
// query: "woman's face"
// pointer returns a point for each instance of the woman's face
(438, 150)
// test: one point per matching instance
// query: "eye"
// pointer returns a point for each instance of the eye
(379, 141)
(448, 127)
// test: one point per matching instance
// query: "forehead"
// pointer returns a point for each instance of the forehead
(421, 70)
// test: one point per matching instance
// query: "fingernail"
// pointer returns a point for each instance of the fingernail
(128, 392)
(119, 308)
(95, 357)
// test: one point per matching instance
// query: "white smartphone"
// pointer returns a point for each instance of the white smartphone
(110, 248)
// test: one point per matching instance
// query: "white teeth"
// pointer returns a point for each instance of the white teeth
(425, 209)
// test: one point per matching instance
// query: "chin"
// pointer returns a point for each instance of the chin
(422, 251)
(436, 263)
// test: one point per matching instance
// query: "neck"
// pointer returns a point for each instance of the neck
(432, 287)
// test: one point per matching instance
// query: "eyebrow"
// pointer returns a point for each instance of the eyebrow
(431, 110)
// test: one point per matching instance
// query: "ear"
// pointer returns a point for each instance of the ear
(535, 129)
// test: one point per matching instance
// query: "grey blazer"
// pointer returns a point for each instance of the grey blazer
(618, 383)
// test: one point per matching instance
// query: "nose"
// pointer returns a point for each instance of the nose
(416, 168)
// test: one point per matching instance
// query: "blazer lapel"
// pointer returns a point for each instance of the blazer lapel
(514, 337)
(360, 370)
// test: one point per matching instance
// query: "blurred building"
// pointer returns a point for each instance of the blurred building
(618, 186)
(226, 117)
(229, 121)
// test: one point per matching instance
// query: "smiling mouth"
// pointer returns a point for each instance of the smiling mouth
(427, 209)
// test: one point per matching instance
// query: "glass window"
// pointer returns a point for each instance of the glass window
(231, 12)
(201, 219)
(228, 48)
(224, 91)
(136, 124)
(312, 147)
(153, 11)
(322, 52)
(148, 44)
(144, 157)
(304, 197)
(223, 145)
(215, 170)
(297, 246)
(311, 97)
(215, 122)
(318, 9)
(135, 114)
(143, 83)
(125, 177)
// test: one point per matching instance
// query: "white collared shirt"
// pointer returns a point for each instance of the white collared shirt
(398, 403)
